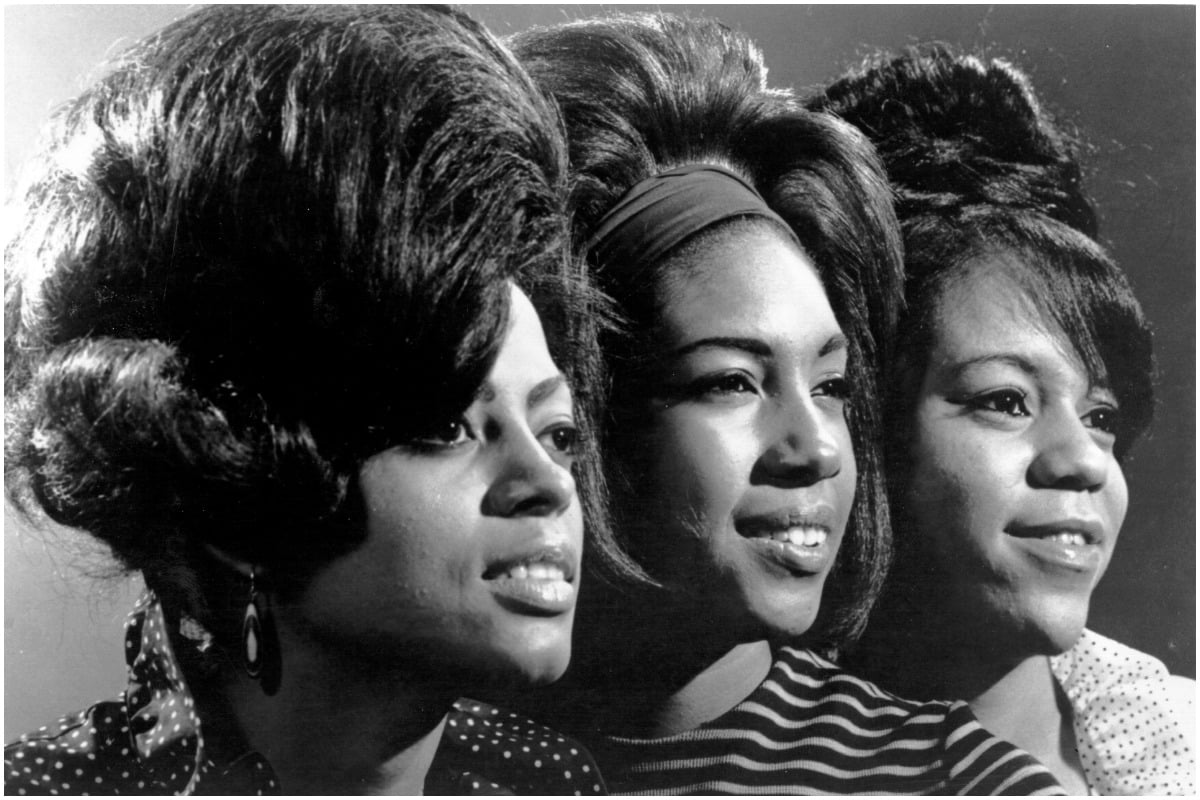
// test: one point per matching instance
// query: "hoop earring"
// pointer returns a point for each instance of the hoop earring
(260, 646)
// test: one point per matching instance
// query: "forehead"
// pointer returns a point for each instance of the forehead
(754, 280)
(989, 307)
(523, 358)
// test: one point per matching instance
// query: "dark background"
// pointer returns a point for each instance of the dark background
(1125, 75)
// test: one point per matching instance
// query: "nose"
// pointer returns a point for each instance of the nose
(529, 482)
(805, 446)
(1070, 458)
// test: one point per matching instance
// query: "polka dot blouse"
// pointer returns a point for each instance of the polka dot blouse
(517, 755)
(149, 740)
(1132, 732)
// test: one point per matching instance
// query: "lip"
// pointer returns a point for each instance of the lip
(762, 532)
(1086, 558)
(534, 594)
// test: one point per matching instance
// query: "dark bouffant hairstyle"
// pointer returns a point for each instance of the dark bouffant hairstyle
(271, 242)
(646, 93)
(979, 167)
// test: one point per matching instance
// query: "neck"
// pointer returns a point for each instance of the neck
(713, 690)
(1027, 707)
(339, 725)
(656, 673)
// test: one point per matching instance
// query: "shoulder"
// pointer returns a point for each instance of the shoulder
(1099, 667)
(815, 680)
(486, 749)
(1183, 699)
(89, 751)
(980, 763)
(1134, 721)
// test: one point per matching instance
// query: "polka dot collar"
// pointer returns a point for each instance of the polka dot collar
(162, 716)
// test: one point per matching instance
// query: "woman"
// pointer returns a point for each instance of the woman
(270, 337)
(750, 248)
(1023, 376)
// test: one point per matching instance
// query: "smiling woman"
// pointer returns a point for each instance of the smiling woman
(1013, 474)
(1023, 377)
(274, 334)
(473, 534)
(752, 398)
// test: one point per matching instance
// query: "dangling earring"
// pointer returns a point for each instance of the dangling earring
(260, 647)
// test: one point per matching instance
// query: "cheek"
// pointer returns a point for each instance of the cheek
(700, 464)
(846, 481)
(418, 528)
(950, 492)
(1116, 498)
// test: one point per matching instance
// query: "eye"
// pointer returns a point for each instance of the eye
(726, 384)
(1009, 402)
(445, 434)
(562, 439)
(1104, 418)
(837, 388)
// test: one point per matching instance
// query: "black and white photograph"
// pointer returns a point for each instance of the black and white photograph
(572, 399)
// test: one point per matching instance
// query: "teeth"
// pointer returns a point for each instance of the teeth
(538, 572)
(1068, 537)
(545, 572)
(802, 537)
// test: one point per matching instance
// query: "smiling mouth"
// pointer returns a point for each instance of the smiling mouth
(1064, 547)
(798, 542)
(814, 536)
(538, 583)
(536, 571)
(1071, 536)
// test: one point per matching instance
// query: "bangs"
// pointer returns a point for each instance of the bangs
(1072, 282)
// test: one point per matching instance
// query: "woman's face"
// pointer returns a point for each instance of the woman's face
(747, 476)
(474, 533)
(1014, 486)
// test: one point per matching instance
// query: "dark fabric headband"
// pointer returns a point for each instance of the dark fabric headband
(658, 213)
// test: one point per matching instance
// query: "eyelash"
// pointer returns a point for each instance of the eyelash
(992, 402)
(735, 383)
(727, 383)
(434, 439)
(1110, 425)
(1011, 403)
(568, 448)
(838, 388)
(562, 438)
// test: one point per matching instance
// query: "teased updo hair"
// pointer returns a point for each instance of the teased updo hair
(979, 167)
(271, 242)
(642, 94)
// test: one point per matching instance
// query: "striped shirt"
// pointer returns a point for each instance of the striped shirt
(812, 728)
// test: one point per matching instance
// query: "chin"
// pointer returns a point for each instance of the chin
(525, 670)
(1045, 624)
(1059, 625)
(789, 616)
(532, 657)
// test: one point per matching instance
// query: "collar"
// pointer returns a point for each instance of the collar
(163, 724)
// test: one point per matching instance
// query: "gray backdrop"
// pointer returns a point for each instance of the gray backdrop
(1124, 74)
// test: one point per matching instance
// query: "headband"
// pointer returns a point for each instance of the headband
(658, 213)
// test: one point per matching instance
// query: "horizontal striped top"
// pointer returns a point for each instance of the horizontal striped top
(812, 728)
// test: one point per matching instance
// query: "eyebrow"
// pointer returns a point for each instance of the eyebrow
(538, 394)
(835, 343)
(755, 347)
(1025, 365)
(544, 389)
(1010, 359)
